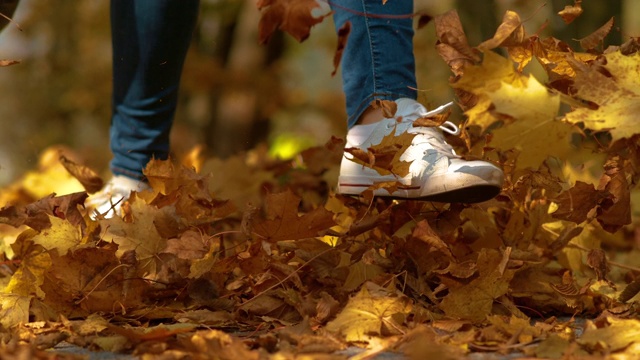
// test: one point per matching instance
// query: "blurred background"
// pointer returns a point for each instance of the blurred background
(235, 93)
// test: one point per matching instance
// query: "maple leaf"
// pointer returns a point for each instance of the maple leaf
(452, 44)
(295, 17)
(527, 107)
(283, 223)
(61, 236)
(618, 335)
(385, 157)
(576, 203)
(14, 309)
(141, 233)
(473, 301)
(617, 95)
(373, 311)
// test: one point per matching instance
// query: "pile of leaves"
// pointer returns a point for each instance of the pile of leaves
(253, 257)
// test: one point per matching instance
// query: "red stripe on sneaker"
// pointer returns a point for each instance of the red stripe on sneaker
(402, 187)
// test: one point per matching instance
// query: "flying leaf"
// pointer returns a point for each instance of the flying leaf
(452, 44)
(385, 157)
(343, 37)
(591, 41)
(294, 17)
(510, 32)
(617, 95)
(575, 203)
(571, 12)
(283, 223)
(85, 175)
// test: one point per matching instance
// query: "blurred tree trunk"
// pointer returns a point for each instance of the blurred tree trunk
(239, 105)
(479, 19)
(630, 18)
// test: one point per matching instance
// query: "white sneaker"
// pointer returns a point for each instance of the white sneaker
(436, 173)
(107, 202)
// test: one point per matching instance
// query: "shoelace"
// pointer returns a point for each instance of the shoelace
(428, 133)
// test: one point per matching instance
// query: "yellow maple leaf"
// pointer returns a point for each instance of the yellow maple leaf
(140, 235)
(617, 336)
(528, 108)
(62, 235)
(473, 301)
(26, 281)
(617, 96)
(373, 311)
(14, 309)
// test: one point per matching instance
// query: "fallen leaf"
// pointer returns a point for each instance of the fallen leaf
(283, 223)
(374, 311)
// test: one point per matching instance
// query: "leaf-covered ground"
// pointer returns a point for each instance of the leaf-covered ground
(252, 258)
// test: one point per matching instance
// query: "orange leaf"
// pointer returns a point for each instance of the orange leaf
(509, 33)
(89, 179)
(294, 17)
(452, 43)
(283, 223)
(343, 36)
(571, 12)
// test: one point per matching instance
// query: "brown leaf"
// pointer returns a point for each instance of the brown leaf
(576, 203)
(509, 33)
(283, 223)
(91, 181)
(343, 37)
(597, 260)
(571, 12)
(388, 107)
(425, 233)
(452, 43)
(423, 20)
(591, 41)
(8, 62)
(385, 157)
(433, 120)
(294, 17)
(630, 291)
(615, 211)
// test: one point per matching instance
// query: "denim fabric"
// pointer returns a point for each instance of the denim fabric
(150, 41)
(378, 61)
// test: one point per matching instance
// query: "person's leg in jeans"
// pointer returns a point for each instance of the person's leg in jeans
(378, 64)
(150, 41)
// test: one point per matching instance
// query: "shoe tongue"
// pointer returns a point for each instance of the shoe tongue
(409, 109)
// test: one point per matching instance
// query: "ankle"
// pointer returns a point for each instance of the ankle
(370, 116)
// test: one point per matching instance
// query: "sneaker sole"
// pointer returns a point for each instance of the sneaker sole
(470, 195)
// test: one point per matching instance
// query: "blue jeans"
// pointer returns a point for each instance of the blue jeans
(150, 42)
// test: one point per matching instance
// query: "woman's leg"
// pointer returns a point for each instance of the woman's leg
(150, 42)
(378, 61)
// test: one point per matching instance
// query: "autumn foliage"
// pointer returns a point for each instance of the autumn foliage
(251, 256)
